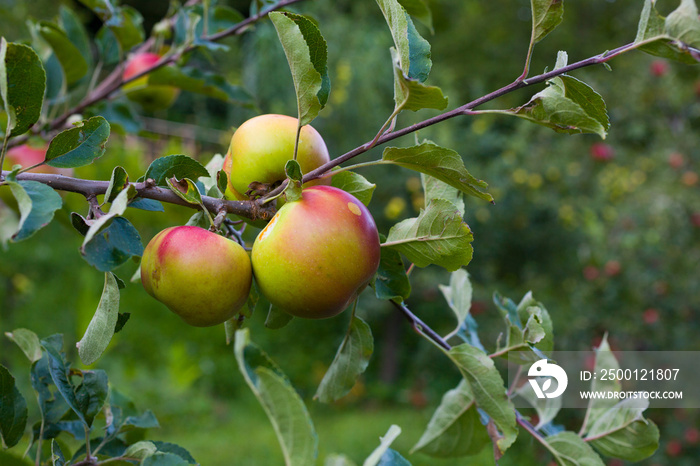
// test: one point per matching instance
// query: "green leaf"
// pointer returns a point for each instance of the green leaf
(597, 407)
(108, 46)
(439, 162)
(377, 456)
(455, 429)
(76, 32)
(117, 182)
(101, 328)
(113, 246)
(86, 399)
(13, 410)
(79, 146)
(438, 236)
(411, 94)
(141, 450)
(459, 297)
(118, 207)
(419, 10)
(458, 294)
(293, 171)
(529, 329)
(546, 408)
(570, 450)
(22, 85)
(221, 181)
(147, 420)
(37, 203)
(283, 406)
(149, 205)
(185, 189)
(201, 82)
(72, 60)
(529, 307)
(179, 166)
(355, 184)
(546, 15)
(51, 404)
(488, 390)
(338, 460)
(164, 459)
(392, 457)
(436, 189)
(349, 363)
(57, 458)
(307, 55)
(121, 116)
(567, 105)
(277, 318)
(28, 342)
(670, 37)
(167, 447)
(220, 18)
(622, 432)
(122, 319)
(414, 51)
(124, 22)
(391, 281)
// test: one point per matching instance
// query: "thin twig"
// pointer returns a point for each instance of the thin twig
(465, 109)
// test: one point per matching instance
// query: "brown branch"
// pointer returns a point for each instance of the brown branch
(465, 109)
(147, 190)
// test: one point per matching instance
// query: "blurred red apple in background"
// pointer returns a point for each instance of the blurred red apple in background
(658, 68)
(150, 96)
(602, 152)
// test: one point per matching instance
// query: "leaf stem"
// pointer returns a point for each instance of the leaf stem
(4, 145)
(88, 455)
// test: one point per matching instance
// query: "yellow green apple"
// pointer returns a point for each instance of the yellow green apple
(317, 253)
(203, 277)
(261, 147)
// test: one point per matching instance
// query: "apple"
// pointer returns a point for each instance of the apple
(650, 316)
(200, 276)
(690, 178)
(590, 272)
(674, 448)
(317, 253)
(676, 160)
(150, 96)
(28, 155)
(602, 152)
(692, 435)
(695, 219)
(261, 147)
(612, 268)
(658, 68)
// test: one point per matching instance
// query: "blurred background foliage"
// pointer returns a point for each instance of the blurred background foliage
(605, 233)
